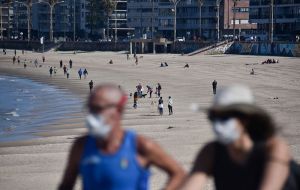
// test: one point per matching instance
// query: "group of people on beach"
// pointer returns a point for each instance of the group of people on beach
(270, 61)
(140, 93)
(247, 152)
(52, 69)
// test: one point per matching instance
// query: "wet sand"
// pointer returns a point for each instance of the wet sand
(39, 163)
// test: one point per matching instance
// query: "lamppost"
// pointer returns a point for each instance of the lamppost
(175, 2)
(74, 21)
(51, 4)
(234, 15)
(200, 4)
(218, 21)
(28, 6)
(116, 35)
(272, 21)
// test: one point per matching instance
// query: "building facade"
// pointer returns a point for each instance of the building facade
(6, 20)
(216, 18)
(243, 26)
(286, 18)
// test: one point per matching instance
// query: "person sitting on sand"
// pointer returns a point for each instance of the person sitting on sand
(247, 152)
(166, 64)
(186, 66)
(110, 157)
(161, 64)
(111, 62)
(252, 72)
(25, 65)
(55, 70)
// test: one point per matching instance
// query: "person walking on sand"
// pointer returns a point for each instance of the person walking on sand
(161, 106)
(110, 157)
(14, 59)
(91, 85)
(68, 73)
(150, 90)
(170, 105)
(51, 71)
(36, 63)
(65, 69)
(85, 73)
(80, 73)
(60, 64)
(70, 64)
(158, 89)
(214, 86)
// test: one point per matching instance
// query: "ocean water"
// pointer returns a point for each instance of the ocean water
(26, 105)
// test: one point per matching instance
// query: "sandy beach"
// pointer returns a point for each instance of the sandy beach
(39, 163)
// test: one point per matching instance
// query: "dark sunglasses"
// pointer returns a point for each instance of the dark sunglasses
(98, 109)
(221, 118)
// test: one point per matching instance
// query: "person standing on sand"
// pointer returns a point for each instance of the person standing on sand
(80, 73)
(43, 59)
(135, 99)
(70, 64)
(85, 73)
(68, 73)
(110, 157)
(18, 60)
(150, 90)
(161, 106)
(170, 105)
(127, 56)
(136, 61)
(36, 63)
(51, 71)
(15, 52)
(65, 69)
(158, 89)
(214, 85)
(91, 85)
(14, 59)
(60, 64)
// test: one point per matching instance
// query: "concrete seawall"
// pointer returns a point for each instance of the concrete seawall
(265, 48)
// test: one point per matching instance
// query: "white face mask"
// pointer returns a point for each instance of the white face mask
(226, 131)
(97, 126)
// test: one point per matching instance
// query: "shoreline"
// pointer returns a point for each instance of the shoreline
(181, 134)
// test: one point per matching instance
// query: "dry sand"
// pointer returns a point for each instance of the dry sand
(39, 163)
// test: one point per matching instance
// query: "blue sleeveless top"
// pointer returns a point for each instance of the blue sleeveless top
(118, 171)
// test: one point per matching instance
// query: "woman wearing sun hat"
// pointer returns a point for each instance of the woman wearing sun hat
(247, 152)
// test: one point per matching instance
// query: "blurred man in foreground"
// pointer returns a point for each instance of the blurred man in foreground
(110, 157)
(247, 153)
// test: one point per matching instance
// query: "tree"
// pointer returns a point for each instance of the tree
(94, 17)
(108, 6)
